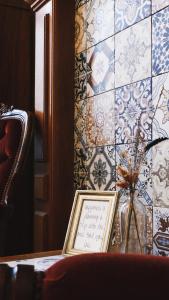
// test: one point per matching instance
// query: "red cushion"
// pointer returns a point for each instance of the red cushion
(108, 276)
(10, 133)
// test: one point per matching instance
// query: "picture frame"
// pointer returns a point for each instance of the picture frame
(91, 222)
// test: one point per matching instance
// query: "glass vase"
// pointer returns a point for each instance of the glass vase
(133, 225)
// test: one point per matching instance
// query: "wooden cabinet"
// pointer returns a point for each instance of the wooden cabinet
(54, 75)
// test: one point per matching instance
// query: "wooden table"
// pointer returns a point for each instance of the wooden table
(26, 283)
(30, 255)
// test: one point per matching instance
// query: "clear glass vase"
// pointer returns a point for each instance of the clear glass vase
(133, 225)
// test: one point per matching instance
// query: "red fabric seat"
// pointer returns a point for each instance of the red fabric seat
(108, 276)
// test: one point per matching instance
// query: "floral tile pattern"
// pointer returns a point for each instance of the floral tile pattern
(80, 180)
(160, 86)
(80, 161)
(133, 53)
(80, 124)
(126, 126)
(159, 4)
(160, 174)
(101, 169)
(80, 33)
(128, 12)
(161, 103)
(79, 3)
(161, 231)
(100, 120)
(100, 60)
(100, 21)
(160, 44)
(80, 88)
(80, 64)
(134, 98)
(161, 123)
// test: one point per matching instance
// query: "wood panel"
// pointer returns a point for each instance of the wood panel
(40, 231)
(17, 57)
(43, 92)
(61, 145)
(55, 113)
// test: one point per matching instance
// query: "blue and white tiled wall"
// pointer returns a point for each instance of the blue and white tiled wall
(121, 66)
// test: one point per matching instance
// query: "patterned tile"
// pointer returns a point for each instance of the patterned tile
(160, 174)
(134, 98)
(100, 120)
(127, 124)
(161, 123)
(133, 53)
(149, 228)
(80, 180)
(80, 64)
(161, 104)
(159, 4)
(160, 90)
(100, 59)
(160, 44)
(80, 88)
(79, 3)
(100, 21)
(161, 231)
(80, 32)
(128, 12)
(80, 124)
(80, 160)
(101, 169)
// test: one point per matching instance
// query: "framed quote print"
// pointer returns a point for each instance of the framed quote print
(91, 222)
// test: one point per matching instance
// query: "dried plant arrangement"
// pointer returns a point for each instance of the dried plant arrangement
(129, 172)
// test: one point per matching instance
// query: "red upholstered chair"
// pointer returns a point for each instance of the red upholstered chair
(15, 139)
(108, 276)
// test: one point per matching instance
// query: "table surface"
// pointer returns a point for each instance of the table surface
(30, 255)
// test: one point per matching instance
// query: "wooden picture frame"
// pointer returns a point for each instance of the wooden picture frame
(91, 222)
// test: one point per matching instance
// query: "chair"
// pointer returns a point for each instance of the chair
(15, 140)
(107, 276)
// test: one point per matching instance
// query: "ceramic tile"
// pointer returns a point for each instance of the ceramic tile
(161, 123)
(80, 180)
(161, 104)
(161, 231)
(160, 90)
(80, 64)
(100, 59)
(159, 4)
(149, 229)
(100, 21)
(126, 126)
(80, 32)
(80, 124)
(133, 53)
(128, 12)
(79, 3)
(101, 170)
(160, 45)
(160, 174)
(80, 160)
(133, 98)
(80, 88)
(99, 120)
